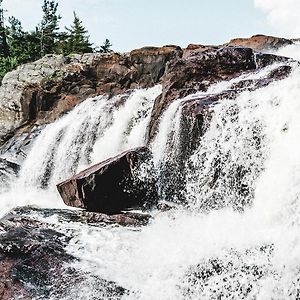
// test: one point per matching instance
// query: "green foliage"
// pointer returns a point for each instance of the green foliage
(106, 47)
(47, 31)
(7, 64)
(77, 38)
(18, 46)
(4, 50)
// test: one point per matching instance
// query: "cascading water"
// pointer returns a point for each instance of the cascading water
(238, 235)
(95, 130)
(223, 254)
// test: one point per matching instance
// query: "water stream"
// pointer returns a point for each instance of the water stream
(237, 234)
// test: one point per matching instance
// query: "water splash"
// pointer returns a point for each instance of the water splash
(210, 249)
(96, 129)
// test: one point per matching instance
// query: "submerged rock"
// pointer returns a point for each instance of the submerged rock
(113, 185)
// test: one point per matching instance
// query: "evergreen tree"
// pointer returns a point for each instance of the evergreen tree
(77, 38)
(106, 47)
(24, 46)
(48, 29)
(15, 38)
(4, 51)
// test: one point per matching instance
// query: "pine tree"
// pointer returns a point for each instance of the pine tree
(15, 37)
(77, 38)
(24, 46)
(106, 47)
(4, 50)
(48, 29)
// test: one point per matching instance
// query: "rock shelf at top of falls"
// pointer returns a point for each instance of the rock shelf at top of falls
(117, 132)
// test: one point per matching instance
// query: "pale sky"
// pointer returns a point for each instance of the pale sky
(132, 24)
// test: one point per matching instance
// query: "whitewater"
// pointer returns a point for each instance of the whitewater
(221, 244)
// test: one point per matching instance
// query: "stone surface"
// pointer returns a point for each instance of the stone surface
(8, 172)
(34, 263)
(261, 42)
(198, 69)
(113, 185)
(41, 91)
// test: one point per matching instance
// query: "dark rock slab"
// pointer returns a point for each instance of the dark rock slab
(113, 185)
(23, 215)
(34, 263)
(198, 69)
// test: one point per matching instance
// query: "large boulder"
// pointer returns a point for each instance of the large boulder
(113, 185)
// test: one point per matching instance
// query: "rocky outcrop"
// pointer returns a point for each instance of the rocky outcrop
(261, 42)
(113, 185)
(34, 263)
(196, 70)
(258, 42)
(40, 92)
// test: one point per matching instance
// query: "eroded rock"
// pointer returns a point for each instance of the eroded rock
(261, 42)
(34, 262)
(41, 91)
(197, 70)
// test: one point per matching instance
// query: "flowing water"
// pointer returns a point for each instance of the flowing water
(236, 237)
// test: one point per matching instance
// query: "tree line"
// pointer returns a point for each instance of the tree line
(18, 46)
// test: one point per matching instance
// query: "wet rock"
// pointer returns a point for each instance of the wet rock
(23, 215)
(41, 91)
(196, 115)
(196, 72)
(8, 172)
(34, 262)
(9, 287)
(19, 145)
(199, 69)
(113, 185)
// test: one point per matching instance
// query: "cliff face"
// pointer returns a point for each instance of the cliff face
(40, 92)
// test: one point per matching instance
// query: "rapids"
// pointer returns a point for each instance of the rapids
(222, 244)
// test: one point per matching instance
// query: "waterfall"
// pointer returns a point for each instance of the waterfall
(226, 253)
(94, 130)
(235, 233)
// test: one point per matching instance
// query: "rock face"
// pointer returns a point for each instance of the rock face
(34, 263)
(8, 170)
(198, 69)
(40, 92)
(261, 42)
(112, 185)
